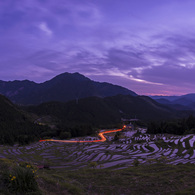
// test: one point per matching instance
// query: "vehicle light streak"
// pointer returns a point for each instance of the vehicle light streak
(101, 135)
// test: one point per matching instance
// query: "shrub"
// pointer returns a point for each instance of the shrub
(151, 161)
(162, 159)
(65, 135)
(136, 162)
(117, 136)
(93, 164)
(21, 179)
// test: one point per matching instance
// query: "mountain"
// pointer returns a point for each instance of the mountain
(9, 112)
(76, 117)
(63, 87)
(185, 102)
(104, 111)
(163, 101)
(169, 98)
(16, 125)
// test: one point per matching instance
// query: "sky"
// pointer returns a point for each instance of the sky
(147, 46)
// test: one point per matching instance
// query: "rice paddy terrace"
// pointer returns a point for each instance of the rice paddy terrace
(145, 148)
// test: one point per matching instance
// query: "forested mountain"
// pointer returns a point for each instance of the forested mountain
(16, 125)
(75, 118)
(177, 126)
(63, 87)
(179, 102)
(82, 117)
(104, 111)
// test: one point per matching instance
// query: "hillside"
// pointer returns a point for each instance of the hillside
(184, 102)
(90, 180)
(9, 112)
(16, 125)
(63, 87)
(104, 111)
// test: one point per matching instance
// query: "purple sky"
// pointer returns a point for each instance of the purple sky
(147, 46)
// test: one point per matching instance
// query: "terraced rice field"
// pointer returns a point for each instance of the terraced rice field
(116, 155)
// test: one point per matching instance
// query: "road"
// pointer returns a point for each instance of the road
(101, 135)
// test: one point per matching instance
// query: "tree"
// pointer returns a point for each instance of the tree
(117, 136)
(65, 135)
(93, 164)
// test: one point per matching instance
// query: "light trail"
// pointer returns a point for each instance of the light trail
(101, 135)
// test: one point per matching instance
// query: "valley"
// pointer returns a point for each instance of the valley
(72, 148)
(97, 97)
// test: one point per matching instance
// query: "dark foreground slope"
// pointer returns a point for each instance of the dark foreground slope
(151, 179)
(63, 87)
(15, 124)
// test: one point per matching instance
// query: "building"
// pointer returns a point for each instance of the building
(129, 127)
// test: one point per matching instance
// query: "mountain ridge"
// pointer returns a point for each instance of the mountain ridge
(16, 125)
(186, 101)
(63, 87)
(108, 110)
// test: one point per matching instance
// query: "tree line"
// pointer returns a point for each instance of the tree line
(177, 126)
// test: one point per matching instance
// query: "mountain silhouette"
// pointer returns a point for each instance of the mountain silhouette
(63, 88)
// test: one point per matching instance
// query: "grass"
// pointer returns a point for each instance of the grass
(152, 179)
(149, 148)
(143, 179)
(18, 178)
(148, 179)
(161, 144)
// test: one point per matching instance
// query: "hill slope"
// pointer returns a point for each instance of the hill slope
(8, 111)
(180, 102)
(104, 111)
(15, 125)
(63, 87)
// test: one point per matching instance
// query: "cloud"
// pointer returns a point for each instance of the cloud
(43, 26)
(144, 46)
(125, 58)
(174, 75)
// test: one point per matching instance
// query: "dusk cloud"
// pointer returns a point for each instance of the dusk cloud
(147, 47)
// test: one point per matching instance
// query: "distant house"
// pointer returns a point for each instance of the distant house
(129, 127)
